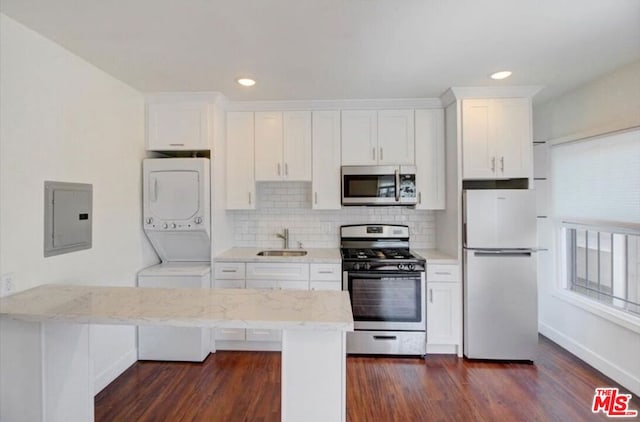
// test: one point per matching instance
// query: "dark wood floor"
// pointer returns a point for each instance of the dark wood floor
(245, 386)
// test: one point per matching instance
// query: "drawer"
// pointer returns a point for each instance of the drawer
(326, 285)
(230, 334)
(264, 335)
(441, 272)
(329, 272)
(229, 270)
(277, 271)
(229, 284)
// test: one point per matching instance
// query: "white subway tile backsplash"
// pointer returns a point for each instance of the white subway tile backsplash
(288, 204)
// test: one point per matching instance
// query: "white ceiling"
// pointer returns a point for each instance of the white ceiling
(334, 49)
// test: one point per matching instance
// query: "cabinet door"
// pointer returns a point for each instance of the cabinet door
(325, 285)
(511, 118)
(293, 285)
(177, 126)
(268, 141)
(241, 187)
(325, 183)
(430, 175)
(297, 145)
(396, 137)
(259, 334)
(478, 157)
(237, 334)
(359, 137)
(443, 313)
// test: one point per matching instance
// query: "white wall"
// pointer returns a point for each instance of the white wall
(611, 101)
(65, 120)
(288, 204)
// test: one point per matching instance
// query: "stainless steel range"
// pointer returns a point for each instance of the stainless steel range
(386, 284)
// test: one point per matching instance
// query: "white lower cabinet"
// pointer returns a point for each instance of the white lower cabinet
(269, 275)
(325, 277)
(444, 309)
(229, 275)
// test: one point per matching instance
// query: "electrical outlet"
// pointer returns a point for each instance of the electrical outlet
(7, 284)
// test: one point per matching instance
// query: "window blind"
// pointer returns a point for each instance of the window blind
(597, 178)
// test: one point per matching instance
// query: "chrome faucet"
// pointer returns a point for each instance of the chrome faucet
(284, 236)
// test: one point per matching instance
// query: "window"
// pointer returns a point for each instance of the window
(596, 197)
(604, 265)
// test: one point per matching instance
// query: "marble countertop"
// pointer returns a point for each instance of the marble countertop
(434, 256)
(314, 255)
(228, 308)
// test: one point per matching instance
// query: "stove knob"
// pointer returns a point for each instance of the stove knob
(165, 225)
(356, 267)
(173, 225)
(401, 267)
(411, 267)
(367, 266)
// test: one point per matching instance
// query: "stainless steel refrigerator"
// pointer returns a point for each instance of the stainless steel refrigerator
(499, 261)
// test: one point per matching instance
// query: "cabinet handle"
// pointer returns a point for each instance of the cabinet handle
(325, 272)
(430, 295)
(381, 154)
(279, 169)
(493, 164)
(443, 273)
(176, 145)
(229, 271)
(286, 169)
(249, 198)
(419, 197)
(373, 152)
(315, 198)
(502, 164)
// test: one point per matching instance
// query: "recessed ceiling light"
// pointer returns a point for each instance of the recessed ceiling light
(246, 81)
(501, 75)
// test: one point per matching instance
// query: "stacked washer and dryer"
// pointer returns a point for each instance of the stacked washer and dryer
(176, 208)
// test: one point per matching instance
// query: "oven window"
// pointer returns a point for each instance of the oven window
(385, 298)
(369, 186)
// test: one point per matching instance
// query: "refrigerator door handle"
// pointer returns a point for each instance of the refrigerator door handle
(504, 253)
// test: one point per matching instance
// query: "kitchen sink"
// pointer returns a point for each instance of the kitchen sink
(282, 253)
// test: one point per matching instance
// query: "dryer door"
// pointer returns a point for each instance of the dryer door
(174, 195)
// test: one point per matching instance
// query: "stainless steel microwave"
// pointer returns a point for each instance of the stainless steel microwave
(379, 185)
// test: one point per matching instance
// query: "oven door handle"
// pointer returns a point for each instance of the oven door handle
(384, 274)
(397, 173)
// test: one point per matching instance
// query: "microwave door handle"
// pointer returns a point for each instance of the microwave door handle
(397, 185)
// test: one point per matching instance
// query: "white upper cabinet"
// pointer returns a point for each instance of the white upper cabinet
(325, 184)
(372, 137)
(283, 146)
(395, 137)
(359, 137)
(430, 172)
(178, 125)
(297, 145)
(269, 148)
(241, 187)
(496, 138)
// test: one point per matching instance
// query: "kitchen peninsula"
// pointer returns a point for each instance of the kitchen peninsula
(46, 337)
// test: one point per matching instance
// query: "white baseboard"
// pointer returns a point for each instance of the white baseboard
(603, 365)
(111, 373)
